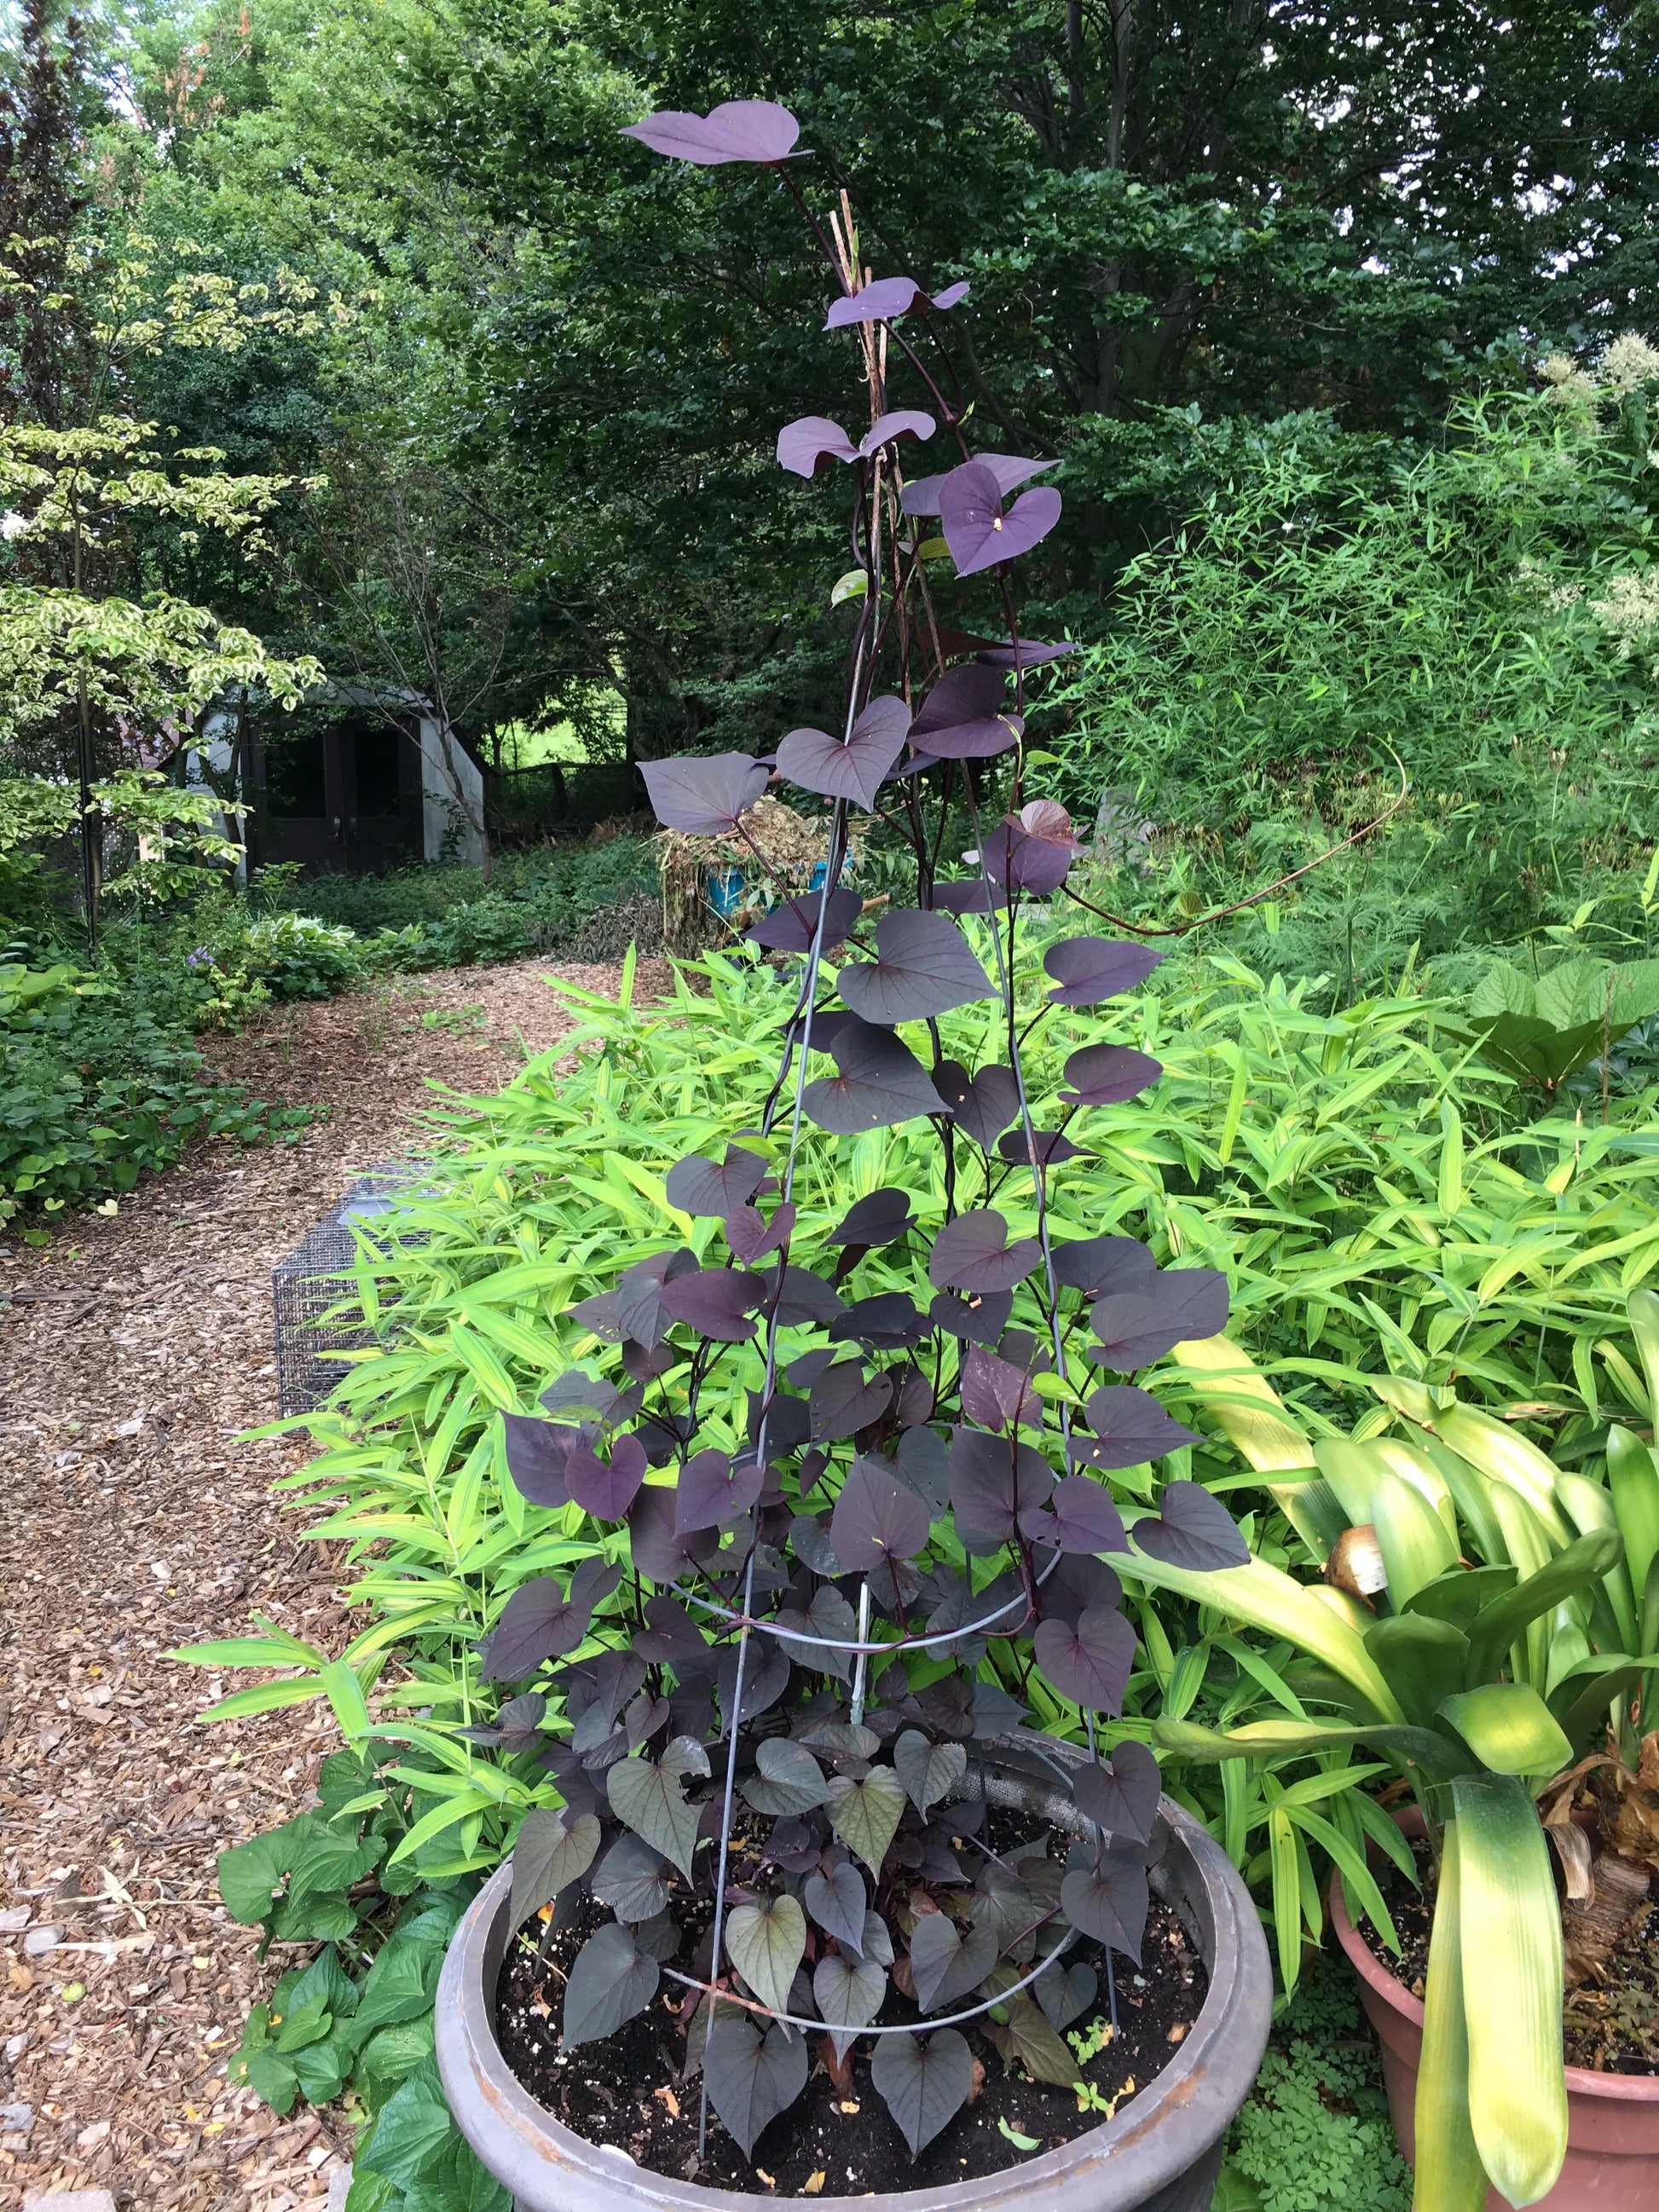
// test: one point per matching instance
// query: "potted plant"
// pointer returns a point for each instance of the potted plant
(809, 1910)
(1488, 1623)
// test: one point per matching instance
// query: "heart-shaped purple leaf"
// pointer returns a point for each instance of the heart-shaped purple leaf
(1107, 1897)
(1096, 1265)
(1087, 969)
(962, 717)
(1044, 1148)
(892, 429)
(887, 1322)
(540, 1622)
(1122, 1798)
(994, 1481)
(843, 1402)
(835, 1896)
(887, 297)
(803, 1298)
(923, 2084)
(606, 1490)
(972, 1253)
(659, 1553)
(881, 1083)
(875, 1520)
(1137, 1327)
(1009, 469)
(751, 1236)
(704, 796)
(804, 445)
(537, 1453)
(1077, 1583)
(792, 923)
(881, 1218)
(636, 1301)
(1107, 1074)
(1083, 1519)
(923, 966)
(1029, 862)
(1028, 653)
(713, 1491)
(1088, 1662)
(1192, 1530)
(979, 1319)
(1130, 1429)
(997, 1394)
(983, 1104)
(715, 1302)
(698, 1186)
(971, 895)
(735, 130)
(855, 770)
(977, 532)
(751, 2076)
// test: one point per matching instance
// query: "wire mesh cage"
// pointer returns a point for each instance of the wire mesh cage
(309, 1287)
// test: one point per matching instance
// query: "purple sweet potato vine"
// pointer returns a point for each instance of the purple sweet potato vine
(810, 1641)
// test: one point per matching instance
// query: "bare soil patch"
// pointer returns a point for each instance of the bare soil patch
(133, 1353)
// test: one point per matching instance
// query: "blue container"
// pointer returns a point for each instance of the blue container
(820, 876)
(728, 892)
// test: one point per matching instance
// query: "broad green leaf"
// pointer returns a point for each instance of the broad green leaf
(1415, 1546)
(1497, 1625)
(1643, 1307)
(1245, 1406)
(1503, 1452)
(413, 2129)
(1509, 1940)
(1436, 1757)
(649, 1794)
(1423, 1659)
(866, 1815)
(766, 1943)
(1509, 1728)
(1634, 1483)
(1450, 2175)
(1351, 1471)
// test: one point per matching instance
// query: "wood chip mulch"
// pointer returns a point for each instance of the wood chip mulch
(134, 1350)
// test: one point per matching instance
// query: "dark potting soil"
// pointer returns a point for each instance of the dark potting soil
(631, 2091)
(1610, 2026)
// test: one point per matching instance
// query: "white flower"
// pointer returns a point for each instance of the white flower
(1628, 362)
(12, 526)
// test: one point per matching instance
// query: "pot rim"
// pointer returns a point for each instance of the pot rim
(1582, 2080)
(1225, 2041)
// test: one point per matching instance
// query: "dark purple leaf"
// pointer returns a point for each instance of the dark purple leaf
(1130, 1428)
(804, 445)
(805, 1371)
(881, 1083)
(1029, 653)
(538, 1622)
(1079, 1581)
(921, 1460)
(983, 1104)
(609, 1982)
(751, 2076)
(881, 1218)
(876, 1519)
(751, 1236)
(992, 1483)
(995, 1393)
(1089, 1661)
(829, 1615)
(887, 1322)
(644, 1365)
(835, 1896)
(809, 1540)
(943, 1966)
(703, 797)
(517, 1728)
(1087, 969)
(972, 1253)
(1045, 1148)
(793, 1845)
(962, 719)
(715, 1302)
(915, 1401)
(1192, 1530)
(599, 1314)
(1032, 850)
(978, 1319)
(1106, 1898)
(712, 1490)
(638, 1294)
(735, 130)
(606, 1492)
(1096, 1265)
(923, 967)
(887, 297)
(697, 1186)
(658, 1552)
(971, 895)
(1137, 1327)
(787, 1779)
(842, 1402)
(1009, 469)
(977, 532)
(855, 770)
(765, 1678)
(1121, 1798)
(924, 2083)
(576, 1391)
(806, 1296)
(929, 1771)
(893, 429)
(791, 925)
(671, 1637)
(630, 1880)
(1107, 1074)
(537, 1453)
(1083, 1519)
(822, 1027)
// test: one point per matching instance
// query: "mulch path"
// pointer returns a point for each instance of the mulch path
(134, 1350)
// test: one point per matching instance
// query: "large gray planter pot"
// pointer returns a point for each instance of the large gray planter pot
(1160, 2154)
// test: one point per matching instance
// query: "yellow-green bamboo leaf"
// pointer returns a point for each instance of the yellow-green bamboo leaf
(1509, 1940)
(1449, 1189)
(1246, 1408)
(1450, 2175)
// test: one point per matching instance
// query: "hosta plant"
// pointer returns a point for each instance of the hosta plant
(843, 1454)
(1486, 1623)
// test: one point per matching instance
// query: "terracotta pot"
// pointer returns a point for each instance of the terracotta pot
(1160, 2154)
(1613, 2119)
